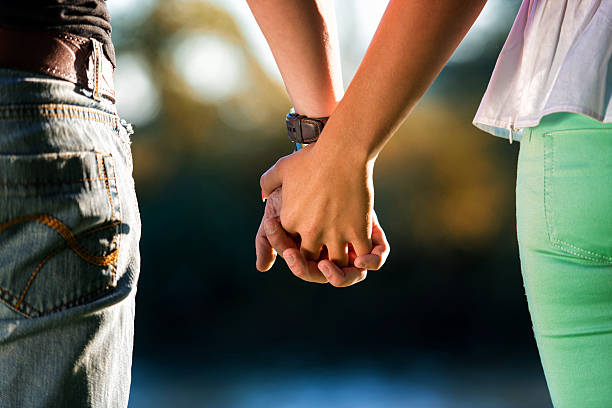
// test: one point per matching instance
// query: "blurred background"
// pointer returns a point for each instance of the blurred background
(444, 324)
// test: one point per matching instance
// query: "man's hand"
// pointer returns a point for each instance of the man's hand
(272, 239)
(327, 200)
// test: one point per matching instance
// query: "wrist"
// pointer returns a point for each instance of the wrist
(317, 106)
(346, 144)
(341, 150)
(317, 110)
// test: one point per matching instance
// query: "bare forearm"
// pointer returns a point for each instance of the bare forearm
(413, 42)
(303, 38)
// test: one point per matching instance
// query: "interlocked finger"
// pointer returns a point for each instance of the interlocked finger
(302, 268)
(341, 277)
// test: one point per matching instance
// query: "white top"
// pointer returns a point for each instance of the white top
(556, 59)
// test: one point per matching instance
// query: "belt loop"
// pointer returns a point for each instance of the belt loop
(98, 53)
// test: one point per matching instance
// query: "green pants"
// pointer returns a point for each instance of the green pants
(564, 223)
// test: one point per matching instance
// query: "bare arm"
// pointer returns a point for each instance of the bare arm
(303, 38)
(413, 42)
(333, 204)
(304, 41)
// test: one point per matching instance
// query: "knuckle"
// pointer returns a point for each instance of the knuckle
(310, 229)
(271, 227)
(260, 241)
(336, 282)
(288, 221)
(298, 272)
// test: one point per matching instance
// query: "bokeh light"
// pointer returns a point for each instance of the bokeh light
(137, 95)
(211, 66)
(252, 34)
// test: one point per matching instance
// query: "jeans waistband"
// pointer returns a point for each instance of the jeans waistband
(565, 121)
(26, 88)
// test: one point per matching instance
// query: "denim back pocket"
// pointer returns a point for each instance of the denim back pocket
(578, 192)
(59, 230)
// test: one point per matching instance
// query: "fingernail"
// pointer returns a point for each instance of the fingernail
(270, 227)
(290, 259)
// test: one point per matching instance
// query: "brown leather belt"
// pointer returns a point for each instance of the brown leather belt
(60, 55)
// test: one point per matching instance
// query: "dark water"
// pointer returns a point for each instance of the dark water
(351, 386)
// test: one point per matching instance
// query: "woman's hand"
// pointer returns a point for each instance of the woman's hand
(272, 239)
(327, 200)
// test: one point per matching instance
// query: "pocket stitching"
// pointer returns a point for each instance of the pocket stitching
(4, 292)
(102, 165)
(80, 299)
(99, 175)
(72, 241)
(9, 184)
(549, 168)
(117, 236)
(53, 110)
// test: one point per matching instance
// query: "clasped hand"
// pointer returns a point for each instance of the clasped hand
(319, 217)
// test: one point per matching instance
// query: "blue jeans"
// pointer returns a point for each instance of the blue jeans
(69, 255)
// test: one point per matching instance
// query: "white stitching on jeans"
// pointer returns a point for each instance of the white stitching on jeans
(557, 243)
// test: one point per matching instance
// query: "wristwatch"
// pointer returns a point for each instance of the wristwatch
(302, 129)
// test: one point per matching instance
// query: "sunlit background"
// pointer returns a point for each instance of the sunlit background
(444, 324)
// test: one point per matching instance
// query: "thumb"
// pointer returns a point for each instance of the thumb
(272, 178)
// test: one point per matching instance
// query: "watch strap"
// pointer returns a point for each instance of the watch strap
(302, 129)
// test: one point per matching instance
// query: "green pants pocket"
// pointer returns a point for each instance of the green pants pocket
(578, 192)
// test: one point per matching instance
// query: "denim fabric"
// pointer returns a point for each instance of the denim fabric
(564, 220)
(69, 256)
